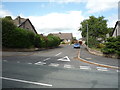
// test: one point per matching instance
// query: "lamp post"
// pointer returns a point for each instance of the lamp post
(87, 35)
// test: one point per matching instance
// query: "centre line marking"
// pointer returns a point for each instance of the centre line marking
(85, 67)
(40, 63)
(102, 69)
(58, 54)
(46, 59)
(5, 60)
(24, 81)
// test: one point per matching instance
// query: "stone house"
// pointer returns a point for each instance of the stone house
(116, 30)
(25, 24)
(65, 37)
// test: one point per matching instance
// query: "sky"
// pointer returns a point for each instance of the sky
(53, 16)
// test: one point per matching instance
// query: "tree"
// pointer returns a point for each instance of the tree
(97, 28)
(8, 17)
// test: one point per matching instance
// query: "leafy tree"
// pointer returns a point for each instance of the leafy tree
(97, 28)
(8, 17)
(110, 31)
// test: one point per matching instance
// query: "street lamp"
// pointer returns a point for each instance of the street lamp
(87, 35)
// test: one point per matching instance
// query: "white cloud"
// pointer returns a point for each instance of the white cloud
(100, 5)
(4, 13)
(112, 20)
(58, 22)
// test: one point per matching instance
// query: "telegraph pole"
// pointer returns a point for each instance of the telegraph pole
(87, 35)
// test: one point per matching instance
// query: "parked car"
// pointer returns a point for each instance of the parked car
(76, 45)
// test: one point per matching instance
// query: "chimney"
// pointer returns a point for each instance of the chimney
(19, 21)
(59, 32)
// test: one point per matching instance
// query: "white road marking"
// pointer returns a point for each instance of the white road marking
(5, 60)
(54, 64)
(117, 70)
(40, 63)
(58, 54)
(18, 61)
(85, 67)
(64, 59)
(68, 66)
(102, 69)
(24, 81)
(88, 58)
(29, 63)
(46, 59)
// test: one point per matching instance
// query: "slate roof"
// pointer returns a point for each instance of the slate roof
(67, 36)
(117, 23)
(21, 21)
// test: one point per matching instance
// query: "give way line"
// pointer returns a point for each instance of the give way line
(24, 81)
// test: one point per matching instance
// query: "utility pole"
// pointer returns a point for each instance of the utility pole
(87, 35)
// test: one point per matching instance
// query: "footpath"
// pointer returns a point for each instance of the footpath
(10, 53)
(100, 60)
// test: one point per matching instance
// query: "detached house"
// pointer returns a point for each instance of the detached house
(116, 30)
(25, 24)
(65, 37)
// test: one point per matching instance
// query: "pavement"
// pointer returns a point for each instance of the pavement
(100, 60)
(10, 53)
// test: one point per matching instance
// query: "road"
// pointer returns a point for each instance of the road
(55, 68)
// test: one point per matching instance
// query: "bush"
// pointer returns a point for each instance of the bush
(53, 41)
(38, 41)
(100, 45)
(112, 46)
(13, 37)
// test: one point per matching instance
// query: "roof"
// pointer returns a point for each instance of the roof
(30, 23)
(117, 23)
(16, 21)
(20, 21)
(68, 36)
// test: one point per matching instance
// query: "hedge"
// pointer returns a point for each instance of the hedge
(14, 37)
(112, 46)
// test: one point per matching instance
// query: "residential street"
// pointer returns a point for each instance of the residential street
(57, 68)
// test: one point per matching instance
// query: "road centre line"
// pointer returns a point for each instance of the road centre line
(46, 59)
(102, 69)
(58, 54)
(40, 63)
(54, 64)
(24, 81)
(5, 60)
(68, 66)
(85, 67)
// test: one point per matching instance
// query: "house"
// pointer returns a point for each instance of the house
(65, 37)
(25, 24)
(116, 30)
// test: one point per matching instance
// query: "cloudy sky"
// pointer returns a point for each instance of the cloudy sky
(53, 16)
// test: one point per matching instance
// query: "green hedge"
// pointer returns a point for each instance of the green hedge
(14, 37)
(112, 46)
(53, 41)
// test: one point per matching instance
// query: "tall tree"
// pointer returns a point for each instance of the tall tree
(97, 27)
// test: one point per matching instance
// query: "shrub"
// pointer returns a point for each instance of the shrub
(100, 45)
(13, 37)
(112, 46)
(38, 41)
(53, 41)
